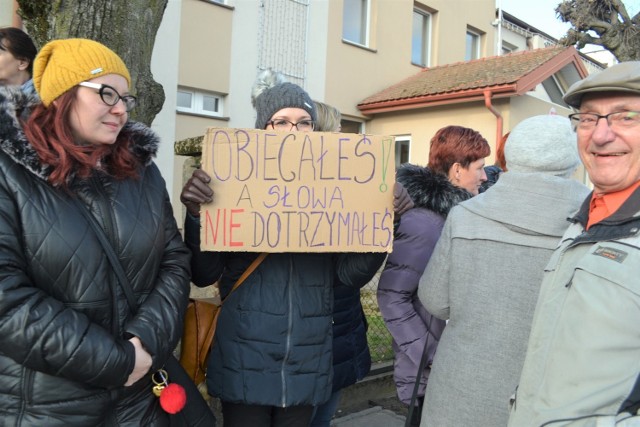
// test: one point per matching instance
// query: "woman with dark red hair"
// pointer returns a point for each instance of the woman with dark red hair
(78, 346)
(454, 173)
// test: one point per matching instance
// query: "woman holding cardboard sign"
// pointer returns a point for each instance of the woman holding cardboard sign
(270, 363)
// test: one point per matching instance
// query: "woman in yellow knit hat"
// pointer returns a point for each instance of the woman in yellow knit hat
(78, 347)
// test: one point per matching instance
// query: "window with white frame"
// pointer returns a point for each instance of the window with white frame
(554, 91)
(508, 48)
(421, 38)
(473, 46)
(198, 102)
(355, 21)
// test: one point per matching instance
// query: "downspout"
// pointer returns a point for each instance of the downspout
(487, 103)
(498, 23)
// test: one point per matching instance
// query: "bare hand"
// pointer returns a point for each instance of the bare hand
(142, 365)
(196, 192)
(401, 200)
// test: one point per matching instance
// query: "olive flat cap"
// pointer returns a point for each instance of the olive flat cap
(622, 77)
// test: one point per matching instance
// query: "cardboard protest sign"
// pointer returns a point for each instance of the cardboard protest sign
(297, 191)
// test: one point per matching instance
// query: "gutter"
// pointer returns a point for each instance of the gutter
(487, 102)
(446, 98)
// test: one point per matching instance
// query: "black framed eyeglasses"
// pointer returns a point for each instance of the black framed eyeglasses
(110, 96)
(616, 120)
(286, 125)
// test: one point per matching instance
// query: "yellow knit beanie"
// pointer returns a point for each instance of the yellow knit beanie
(62, 64)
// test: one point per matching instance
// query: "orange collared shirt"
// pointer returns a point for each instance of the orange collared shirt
(603, 205)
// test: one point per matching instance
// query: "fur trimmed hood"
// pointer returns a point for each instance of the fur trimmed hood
(16, 105)
(430, 190)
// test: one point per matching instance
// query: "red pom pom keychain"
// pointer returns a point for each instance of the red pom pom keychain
(172, 396)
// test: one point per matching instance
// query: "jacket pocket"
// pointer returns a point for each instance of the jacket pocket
(593, 355)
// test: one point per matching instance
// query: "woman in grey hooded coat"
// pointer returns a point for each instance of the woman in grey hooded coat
(486, 271)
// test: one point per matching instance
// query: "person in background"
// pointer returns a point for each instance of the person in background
(501, 161)
(329, 118)
(17, 53)
(454, 173)
(581, 366)
(494, 171)
(72, 350)
(351, 356)
(271, 363)
(485, 272)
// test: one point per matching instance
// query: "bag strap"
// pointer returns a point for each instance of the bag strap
(256, 262)
(208, 338)
(416, 386)
(111, 255)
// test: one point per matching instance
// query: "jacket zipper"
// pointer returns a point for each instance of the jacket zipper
(27, 392)
(288, 341)
(102, 200)
(104, 209)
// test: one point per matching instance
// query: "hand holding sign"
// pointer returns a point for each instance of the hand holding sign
(196, 192)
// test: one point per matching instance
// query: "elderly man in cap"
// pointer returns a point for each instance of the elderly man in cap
(582, 366)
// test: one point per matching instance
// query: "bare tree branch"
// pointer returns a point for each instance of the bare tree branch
(605, 23)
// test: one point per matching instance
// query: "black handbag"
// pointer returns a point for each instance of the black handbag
(196, 412)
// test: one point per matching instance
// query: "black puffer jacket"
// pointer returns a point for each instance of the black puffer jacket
(351, 355)
(64, 354)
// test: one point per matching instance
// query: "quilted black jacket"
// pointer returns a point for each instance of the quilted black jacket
(64, 355)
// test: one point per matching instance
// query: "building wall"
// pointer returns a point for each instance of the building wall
(204, 60)
(165, 72)
(205, 46)
(453, 19)
(421, 125)
(6, 12)
(352, 72)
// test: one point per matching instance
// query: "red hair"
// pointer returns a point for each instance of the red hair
(49, 132)
(456, 144)
(501, 162)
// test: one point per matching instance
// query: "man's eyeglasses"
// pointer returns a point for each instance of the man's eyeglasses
(617, 120)
(110, 96)
(286, 125)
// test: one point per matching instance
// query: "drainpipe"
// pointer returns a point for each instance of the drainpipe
(487, 103)
(498, 24)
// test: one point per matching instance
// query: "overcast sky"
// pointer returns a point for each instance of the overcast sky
(542, 15)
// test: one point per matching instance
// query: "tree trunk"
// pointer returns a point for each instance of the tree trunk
(128, 27)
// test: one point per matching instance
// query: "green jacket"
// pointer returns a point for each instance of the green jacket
(582, 366)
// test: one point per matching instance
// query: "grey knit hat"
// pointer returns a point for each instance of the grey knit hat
(622, 77)
(542, 144)
(271, 93)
